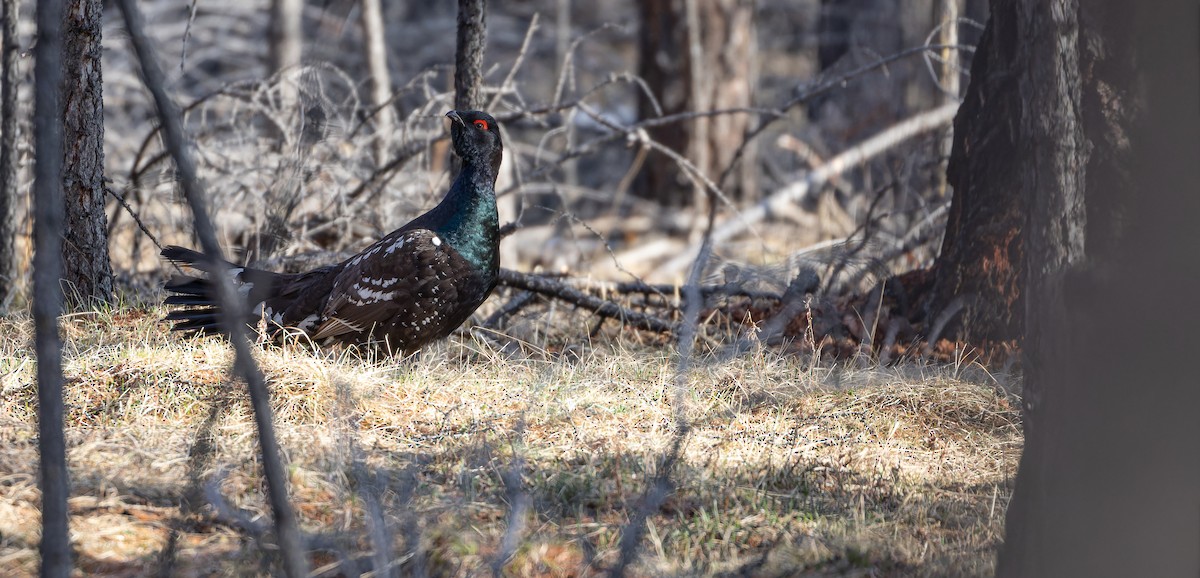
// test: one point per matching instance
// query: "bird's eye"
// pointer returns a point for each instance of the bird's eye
(482, 124)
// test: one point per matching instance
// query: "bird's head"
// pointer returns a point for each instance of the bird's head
(476, 138)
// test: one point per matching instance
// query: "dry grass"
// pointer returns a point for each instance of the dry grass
(790, 469)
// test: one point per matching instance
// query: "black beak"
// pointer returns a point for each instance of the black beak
(453, 115)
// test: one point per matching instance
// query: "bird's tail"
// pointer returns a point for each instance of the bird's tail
(197, 307)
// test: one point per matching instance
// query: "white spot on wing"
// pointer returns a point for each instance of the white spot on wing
(436, 241)
(365, 296)
(382, 283)
(399, 244)
(373, 296)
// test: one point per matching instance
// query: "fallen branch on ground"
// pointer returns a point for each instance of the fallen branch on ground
(880, 143)
(561, 290)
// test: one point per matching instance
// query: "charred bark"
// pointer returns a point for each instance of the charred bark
(982, 263)
(1084, 503)
(1107, 481)
(982, 253)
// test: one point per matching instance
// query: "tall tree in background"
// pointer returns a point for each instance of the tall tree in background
(285, 47)
(468, 55)
(8, 153)
(698, 55)
(87, 270)
(375, 53)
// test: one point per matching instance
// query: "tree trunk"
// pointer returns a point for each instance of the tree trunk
(286, 29)
(468, 55)
(87, 271)
(231, 306)
(9, 174)
(698, 55)
(50, 71)
(1107, 481)
(852, 33)
(375, 52)
(979, 266)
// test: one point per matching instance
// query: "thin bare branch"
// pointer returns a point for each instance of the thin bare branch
(896, 134)
(48, 301)
(233, 311)
(520, 59)
(559, 290)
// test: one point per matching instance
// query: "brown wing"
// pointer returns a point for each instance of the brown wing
(400, 287)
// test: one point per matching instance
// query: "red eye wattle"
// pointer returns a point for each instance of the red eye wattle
(482, 124)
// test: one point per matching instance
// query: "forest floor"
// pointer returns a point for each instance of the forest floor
(464, 460)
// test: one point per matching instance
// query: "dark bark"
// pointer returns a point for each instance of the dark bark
(87, 270)
(468, 56)
(8, 153)
(1107, 480)
(233, 309)
(982, 253)
(54, 481)
(664, 65)
(1048, 126)
(698, 56)
(983, 257)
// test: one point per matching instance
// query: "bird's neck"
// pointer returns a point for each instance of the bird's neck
(469, 221)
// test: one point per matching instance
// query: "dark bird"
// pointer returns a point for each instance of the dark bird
(411, 287)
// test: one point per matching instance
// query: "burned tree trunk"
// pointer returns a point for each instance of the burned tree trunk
(87, 271)
(1055, 225)
(1107, 481)
(982, 265)
(978, 270)
(698, 56)
(1040, 246)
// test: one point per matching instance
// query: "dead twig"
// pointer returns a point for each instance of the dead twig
(55, 548)
(900, 132)
(232, 309)
(562, 291)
